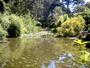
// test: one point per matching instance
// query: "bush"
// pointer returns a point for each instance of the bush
(14, 30)
(61, 19)
(13, 24)
(17, 25)
(18, 22)
(71, 27)
(31, 24)
(3, 33)
(86, 16)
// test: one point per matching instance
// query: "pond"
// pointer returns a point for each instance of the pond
(42, 52)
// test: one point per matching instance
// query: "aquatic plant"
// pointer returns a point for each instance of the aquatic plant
(80, 42)
(84, 57)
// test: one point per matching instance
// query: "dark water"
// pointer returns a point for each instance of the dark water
(41, 52)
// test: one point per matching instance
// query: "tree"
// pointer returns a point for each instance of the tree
(70, 3)
(42, 10)
(88, 4)
(78, 9)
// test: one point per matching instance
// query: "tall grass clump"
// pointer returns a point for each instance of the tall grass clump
(31, 24)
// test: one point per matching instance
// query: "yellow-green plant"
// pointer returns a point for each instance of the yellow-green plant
(17, 25)
(72, 26)
(31, 24)
(80, 42)
(62, 19)
(18, 21)
(84, 57)
(4, 21)
(13, 24)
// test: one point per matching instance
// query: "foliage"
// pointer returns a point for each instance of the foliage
(4, 21)
(3, 33)
(72, 26)
(13, 24)
(78, 9)
(18, 21)
(31, 24)
(42, 10)
(85, 57)
(13, 30)
(80, 42)
(88, 4)
(86, 15)
(71, 3)
(18, 7)
(61, 19)
(17, 25)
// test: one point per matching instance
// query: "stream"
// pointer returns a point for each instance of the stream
(39, 52)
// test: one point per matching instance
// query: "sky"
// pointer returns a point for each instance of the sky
(87, 0)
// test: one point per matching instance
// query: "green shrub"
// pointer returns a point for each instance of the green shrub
(19, 22)
(85, 15)
(13, 24)
(31, 24)
(17, 25)
(3, 33)
(72, 26)
(4, 21)
(14, 30)
(84, 57)
(61, 19)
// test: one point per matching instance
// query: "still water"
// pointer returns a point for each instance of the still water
(43, 52)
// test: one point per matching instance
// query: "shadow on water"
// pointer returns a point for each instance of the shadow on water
(44, 52)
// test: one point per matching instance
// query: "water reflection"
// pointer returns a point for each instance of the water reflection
(35, 52)
(52, 65)
(63, 59)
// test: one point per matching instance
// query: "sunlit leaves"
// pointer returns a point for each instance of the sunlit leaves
(80, 42)
(72, 26)
(85, 57)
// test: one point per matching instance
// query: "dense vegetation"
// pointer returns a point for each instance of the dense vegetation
(22, 16)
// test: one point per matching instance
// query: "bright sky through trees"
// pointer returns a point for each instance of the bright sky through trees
(87, 0)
